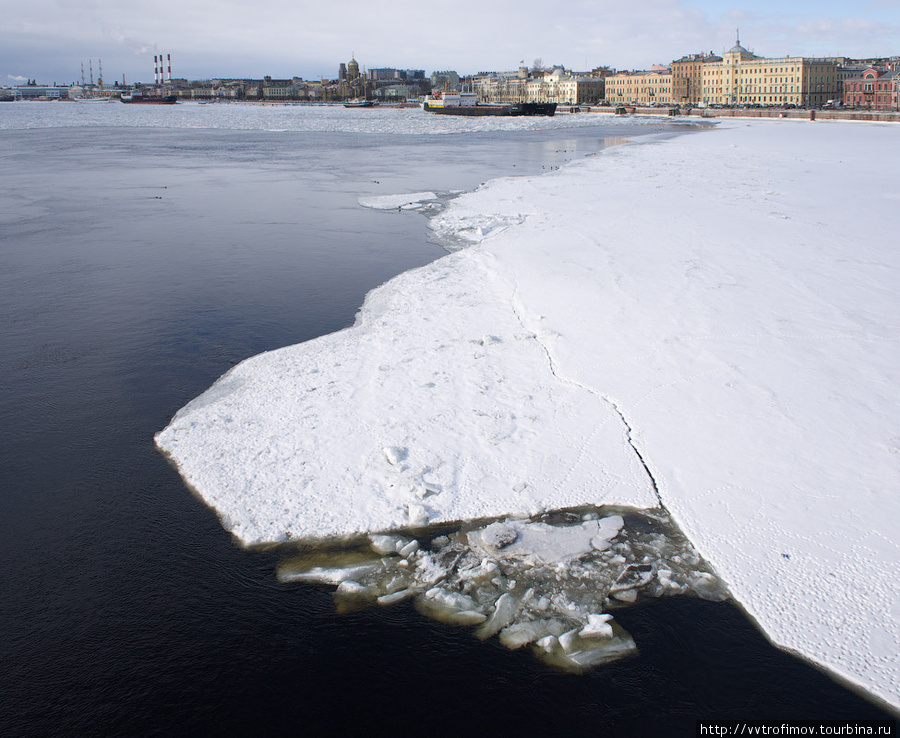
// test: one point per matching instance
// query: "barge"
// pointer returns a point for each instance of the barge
(466, 103)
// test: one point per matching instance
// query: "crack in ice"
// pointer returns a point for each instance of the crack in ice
(586, 388)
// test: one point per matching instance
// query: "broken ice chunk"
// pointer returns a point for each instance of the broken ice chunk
(482, 573)
(394, 454)
(609, 528)
(350, 596)
(495, 535)
(385, 544)
(598, 627)
(427, 490)
(520, 634)
(709, 588)
(504, 612)
(667, 581)
(409, 549)
(567, 640)
(429, 570)
(348, 586)
(626, 595)
(581, 658)
(416, 514)
(634, 576)
(539, 541)
(456, 600)
(449, 607)
(395, 597)
(328, 575)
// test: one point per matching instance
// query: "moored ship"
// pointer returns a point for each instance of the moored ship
(466, 103)
(150, 98)
(160, 92)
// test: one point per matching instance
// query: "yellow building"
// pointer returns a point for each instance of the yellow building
(640, 88)
(742, 78)
(687, 77)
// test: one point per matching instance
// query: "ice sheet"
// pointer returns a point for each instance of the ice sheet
(395, 202)
(713, 317)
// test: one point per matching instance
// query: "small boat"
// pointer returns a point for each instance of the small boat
(466, 103)
(93, 99)
(360, 103)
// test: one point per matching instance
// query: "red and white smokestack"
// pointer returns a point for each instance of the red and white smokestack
(155, 71)
(169, 59)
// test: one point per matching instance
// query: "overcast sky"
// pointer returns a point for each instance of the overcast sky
(49, 39)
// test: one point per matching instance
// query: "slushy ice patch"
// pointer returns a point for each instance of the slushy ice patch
(549, 583)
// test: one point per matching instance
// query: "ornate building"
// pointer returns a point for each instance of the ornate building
(352, 84)
(742, 78)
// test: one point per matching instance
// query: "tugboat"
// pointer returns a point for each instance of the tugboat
(360, 103)
(466, 103)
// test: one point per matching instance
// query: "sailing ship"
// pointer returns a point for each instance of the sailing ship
(92, 96)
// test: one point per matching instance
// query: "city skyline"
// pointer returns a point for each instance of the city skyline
(48, 41)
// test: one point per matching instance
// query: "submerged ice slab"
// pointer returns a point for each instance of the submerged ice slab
(710, 310)
(543, 583)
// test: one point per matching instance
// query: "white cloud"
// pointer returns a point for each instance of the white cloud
(50, 38)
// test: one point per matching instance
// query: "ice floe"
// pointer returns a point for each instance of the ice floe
(709, 322)
(411, 201)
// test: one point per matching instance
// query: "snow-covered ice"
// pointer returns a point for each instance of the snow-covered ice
(409, 201)
(710, 322)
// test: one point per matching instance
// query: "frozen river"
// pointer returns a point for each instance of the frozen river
(142, 254)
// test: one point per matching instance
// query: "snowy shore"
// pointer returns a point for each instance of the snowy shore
(710, 321)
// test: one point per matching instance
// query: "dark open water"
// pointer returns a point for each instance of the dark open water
(137, 264)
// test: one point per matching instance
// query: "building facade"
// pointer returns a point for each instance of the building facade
(653, 87)
(874, 89)
(554, 86)
(742, 78)
(502, 87)
(445, 80)
(687, 77)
